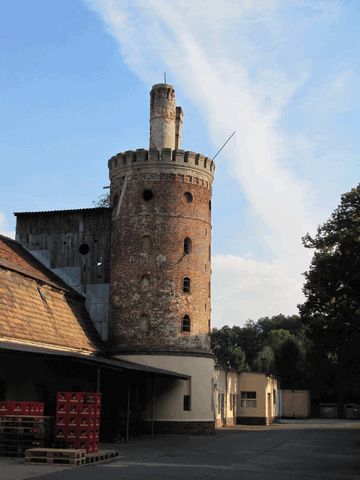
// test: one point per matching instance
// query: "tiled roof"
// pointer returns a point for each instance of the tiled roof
(36, 306)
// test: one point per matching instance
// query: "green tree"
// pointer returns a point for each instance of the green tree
(332, 307)
(226, 350)
(276, 338)
(264, 360)
(290, 363)
(102, 200)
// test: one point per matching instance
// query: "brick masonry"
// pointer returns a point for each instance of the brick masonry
(148, 263)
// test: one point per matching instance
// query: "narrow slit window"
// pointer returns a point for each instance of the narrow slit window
(187, 403)
(186, 284)
(186, 324)
(187, 246)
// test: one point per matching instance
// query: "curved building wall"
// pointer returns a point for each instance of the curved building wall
(160, 198)
(169, 397)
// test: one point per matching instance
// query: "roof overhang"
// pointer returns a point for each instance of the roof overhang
(95, 360)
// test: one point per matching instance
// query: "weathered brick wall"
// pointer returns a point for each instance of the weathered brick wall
(148, 240)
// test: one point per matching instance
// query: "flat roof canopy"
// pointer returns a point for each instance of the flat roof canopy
(95, 360)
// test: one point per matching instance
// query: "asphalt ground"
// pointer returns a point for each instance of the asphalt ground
(308, 450)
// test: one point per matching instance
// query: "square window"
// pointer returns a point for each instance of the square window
(248, 399)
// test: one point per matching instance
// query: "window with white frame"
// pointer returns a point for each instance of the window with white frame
(248, 399)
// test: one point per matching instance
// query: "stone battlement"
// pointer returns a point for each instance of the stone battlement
(161, 158)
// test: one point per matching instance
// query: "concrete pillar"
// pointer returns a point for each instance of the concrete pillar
(162, 116)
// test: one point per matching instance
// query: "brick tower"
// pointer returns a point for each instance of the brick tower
(160, 298)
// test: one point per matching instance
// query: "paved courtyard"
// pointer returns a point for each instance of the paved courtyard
(310, 450)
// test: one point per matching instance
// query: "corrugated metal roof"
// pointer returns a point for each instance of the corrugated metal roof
(72, 210)
(96, 360)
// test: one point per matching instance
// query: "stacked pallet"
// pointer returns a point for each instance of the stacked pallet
(78, 420)
(22, 426)
(56, 456)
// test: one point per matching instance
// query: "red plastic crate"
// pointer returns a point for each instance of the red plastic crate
(73, 420)
(72, 433)
(61, 420)
(60, 433)
(85, 433)
(92, 398)
(10, 407)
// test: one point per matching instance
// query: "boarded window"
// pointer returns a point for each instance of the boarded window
(186, 284)
(144, 323)
(145, 282)
(146, 244)
(186, 324)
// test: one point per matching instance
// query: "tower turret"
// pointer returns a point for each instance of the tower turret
(162, 116)
(161, 240)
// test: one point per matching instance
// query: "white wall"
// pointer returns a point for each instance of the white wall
(169, 393)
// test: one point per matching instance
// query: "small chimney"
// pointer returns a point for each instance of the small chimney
(162, 116)
(178, 127)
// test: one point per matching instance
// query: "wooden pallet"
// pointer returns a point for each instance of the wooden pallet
(58, 456)
(101, 455)
(20, 432)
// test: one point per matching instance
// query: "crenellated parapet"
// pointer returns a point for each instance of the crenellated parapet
(164, 159)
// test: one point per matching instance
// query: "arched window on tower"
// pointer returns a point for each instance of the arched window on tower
(186, 324)
(186, 284)
(187, 245)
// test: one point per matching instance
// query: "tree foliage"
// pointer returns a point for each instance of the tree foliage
(332, 289)
(102, 200)
(264, 345)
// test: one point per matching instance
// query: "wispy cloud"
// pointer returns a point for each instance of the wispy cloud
(222, 56)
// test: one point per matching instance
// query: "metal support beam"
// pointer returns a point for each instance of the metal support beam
(128, 414)
(152, 406)
(98, 379)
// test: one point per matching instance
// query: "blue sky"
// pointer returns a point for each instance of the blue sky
(74, 83)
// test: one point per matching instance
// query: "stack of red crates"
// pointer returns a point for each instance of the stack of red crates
(78, 420)
(10, 407)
